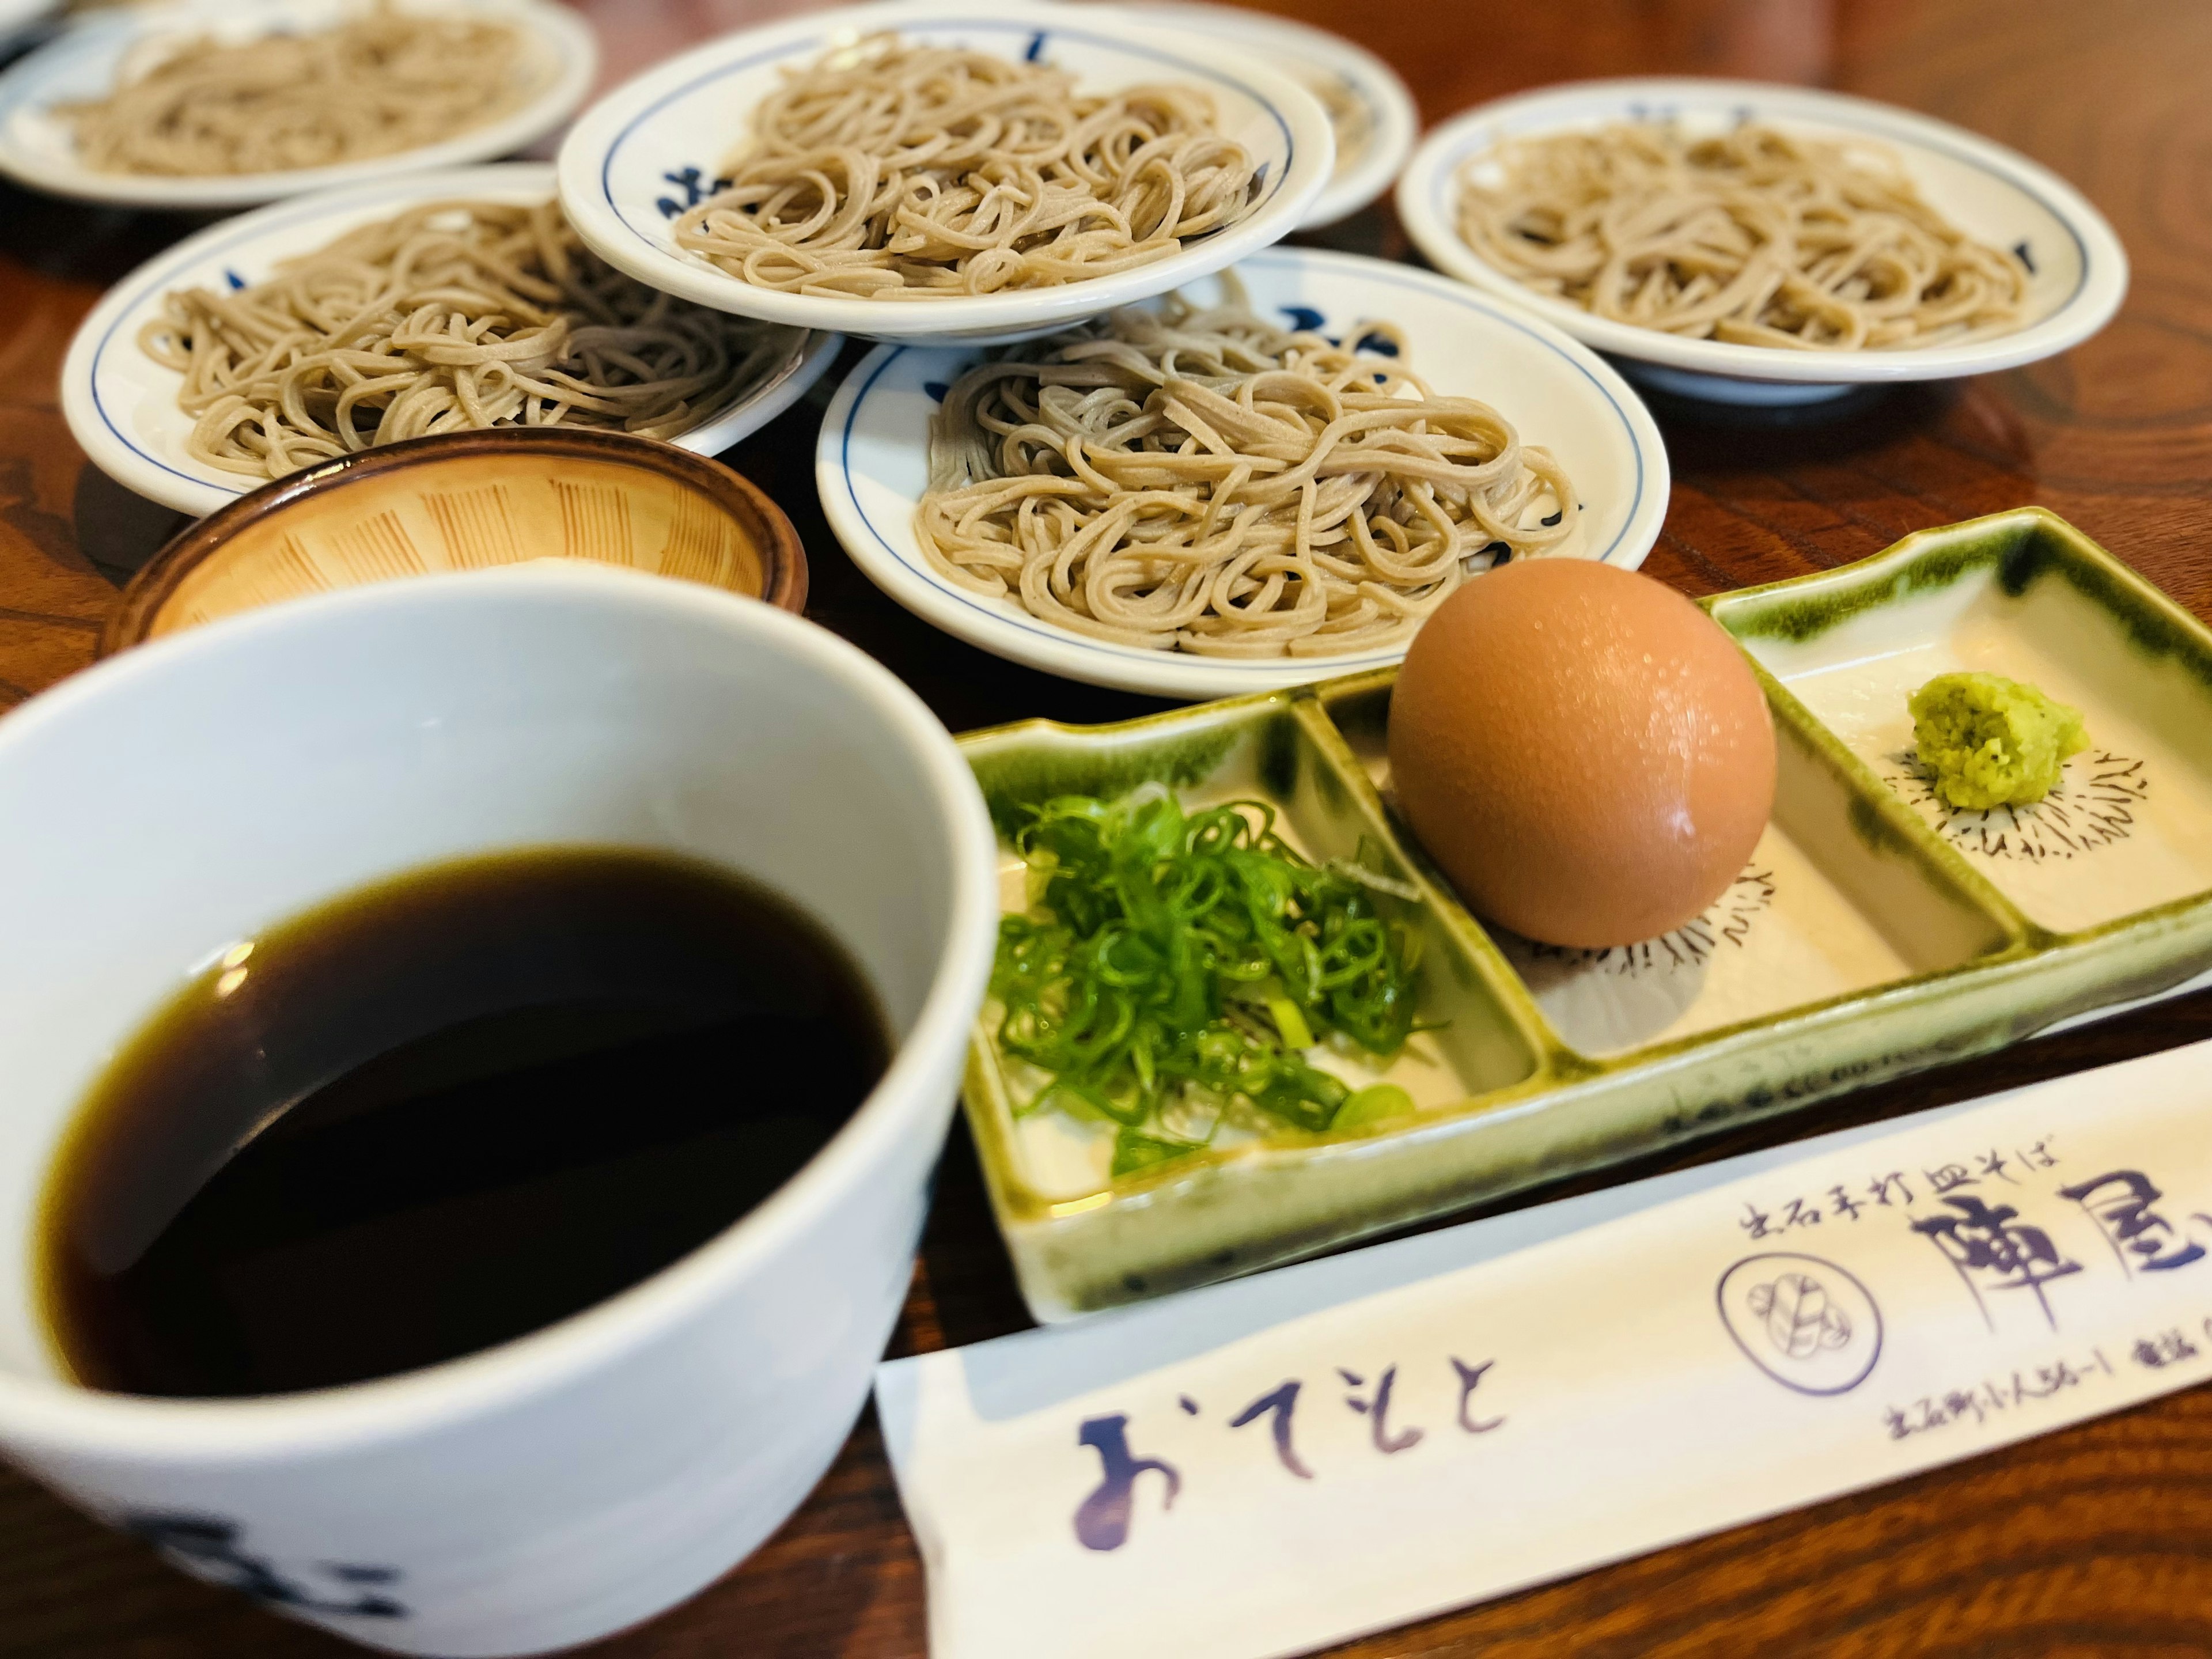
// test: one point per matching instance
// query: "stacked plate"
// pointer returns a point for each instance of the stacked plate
(1325, 127)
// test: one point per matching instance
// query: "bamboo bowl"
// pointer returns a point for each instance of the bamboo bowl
(431, 506)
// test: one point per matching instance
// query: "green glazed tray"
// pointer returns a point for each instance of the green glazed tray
(1875, 931)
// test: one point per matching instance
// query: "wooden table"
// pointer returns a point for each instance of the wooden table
(2095, 1540)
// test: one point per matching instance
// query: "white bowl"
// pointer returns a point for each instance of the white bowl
(871, 462)
(176, 798)
(121, 405)
(650, 150)
(1311, 54)
(37, 147)
(2079, 274)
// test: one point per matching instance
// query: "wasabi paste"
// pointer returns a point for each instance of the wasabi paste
(1990, 741)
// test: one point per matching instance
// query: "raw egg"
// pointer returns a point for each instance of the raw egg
(1584, 753)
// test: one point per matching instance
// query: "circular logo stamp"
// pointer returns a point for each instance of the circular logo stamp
(1806, 1323)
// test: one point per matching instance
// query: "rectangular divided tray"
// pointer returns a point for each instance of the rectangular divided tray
(1875, 931)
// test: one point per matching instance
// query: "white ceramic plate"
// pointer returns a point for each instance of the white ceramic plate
(648, 150)
(121, 405)
(37, 148)
(871, 462)
(1318, 59)
(2079, 272)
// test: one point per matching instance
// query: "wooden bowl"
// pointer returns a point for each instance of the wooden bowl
(428, 506)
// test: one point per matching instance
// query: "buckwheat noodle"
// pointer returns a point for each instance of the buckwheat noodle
(452, 317)
(897, 171)
(1755, 236)
(1200, 480)
(376, 85)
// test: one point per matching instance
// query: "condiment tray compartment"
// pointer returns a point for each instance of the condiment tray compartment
(1860, 944)
(1837, 900)
(2024, 595)
(1048, 1172)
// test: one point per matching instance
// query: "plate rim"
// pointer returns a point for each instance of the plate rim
(567, 31)
(1037, 644)
(2097, 297)
(118, 456)
(1398, 118)
(589, 151)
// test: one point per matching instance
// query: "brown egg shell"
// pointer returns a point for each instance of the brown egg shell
(1586, 754)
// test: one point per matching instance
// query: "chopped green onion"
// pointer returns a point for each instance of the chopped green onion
(1374, 879)
(1133, 1151)
(1374, 1103)
(1290, 1023)
(1174, 960)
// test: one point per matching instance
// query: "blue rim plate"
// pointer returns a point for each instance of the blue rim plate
(1316, 57)
(651, 149)
(872, 460)
(2079, 272)
(121, 405)
(36, 147)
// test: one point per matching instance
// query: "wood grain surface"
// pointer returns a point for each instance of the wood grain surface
(2096, 1541)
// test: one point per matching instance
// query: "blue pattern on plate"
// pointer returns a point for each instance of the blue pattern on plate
(687, 180)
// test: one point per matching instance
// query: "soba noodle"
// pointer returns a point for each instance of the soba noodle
(378, 84)
(1755, 236)
(452, 317)
(889, 171)
(1201, 480)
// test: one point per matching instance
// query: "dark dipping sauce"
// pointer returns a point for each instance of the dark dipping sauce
(441, 1113)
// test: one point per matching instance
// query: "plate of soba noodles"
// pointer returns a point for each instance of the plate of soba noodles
(208, 104)
(916, 169)
(454, 300)
(1757, 244)
(1269, 476)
